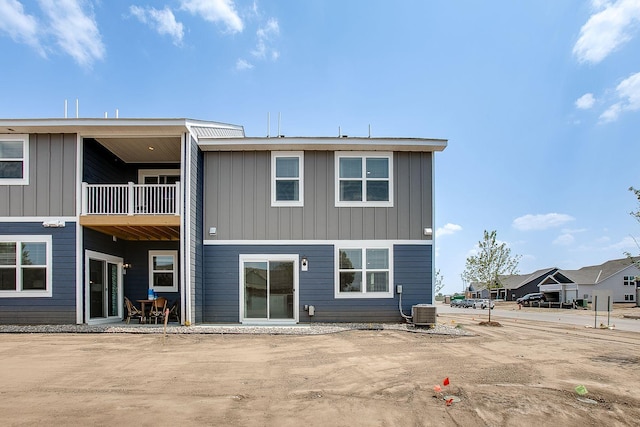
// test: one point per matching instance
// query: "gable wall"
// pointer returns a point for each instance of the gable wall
(237, 193)
(52, 179)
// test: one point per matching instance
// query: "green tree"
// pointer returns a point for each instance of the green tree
(492, 260)
(636, 215)
(439, 282)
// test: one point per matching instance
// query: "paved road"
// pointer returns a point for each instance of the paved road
(582, 318)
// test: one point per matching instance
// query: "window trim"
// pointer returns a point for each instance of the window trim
(294, 203)
(363, 294)
(19, 293)
(175, 271)
(364, 155)
(24, 138)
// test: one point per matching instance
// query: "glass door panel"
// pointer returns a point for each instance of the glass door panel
(255, 290)
(112, 289)
(96, 288)
(281, 290)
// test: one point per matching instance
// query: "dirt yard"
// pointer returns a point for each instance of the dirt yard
(520, 374)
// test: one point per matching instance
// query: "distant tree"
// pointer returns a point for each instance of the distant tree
(492, 260)
(636, 215)
(439, 282)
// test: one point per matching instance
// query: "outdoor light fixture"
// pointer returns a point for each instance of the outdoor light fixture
(428, 231)
(56, 223)
(213, 231)
(126, 266)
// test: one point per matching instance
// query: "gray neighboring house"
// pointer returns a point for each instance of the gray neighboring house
(617, 276)
(566, 286)
(231, 229)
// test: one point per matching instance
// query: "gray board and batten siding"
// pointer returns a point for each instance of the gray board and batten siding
(412, 269)
(237, 192)
(52, 180)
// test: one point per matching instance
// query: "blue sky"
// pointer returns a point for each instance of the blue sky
(540, 100)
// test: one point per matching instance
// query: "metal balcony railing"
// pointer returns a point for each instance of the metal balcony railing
(130, 199)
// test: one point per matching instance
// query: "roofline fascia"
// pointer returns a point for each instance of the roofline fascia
(322, 144)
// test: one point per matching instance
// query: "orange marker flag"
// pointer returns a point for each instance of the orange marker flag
(437, 388)
(449, 402)
(445, 381)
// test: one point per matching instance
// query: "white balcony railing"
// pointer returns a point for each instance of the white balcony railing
(130, 199)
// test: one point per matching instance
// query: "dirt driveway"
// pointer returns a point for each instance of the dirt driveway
(520, 374)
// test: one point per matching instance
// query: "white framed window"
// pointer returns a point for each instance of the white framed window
(363, 179)
(14, 159)
(25, 266)
(629, 280)
(158, 176)
(364, 271)
(629, 297)
(287, 183)
(163, 271)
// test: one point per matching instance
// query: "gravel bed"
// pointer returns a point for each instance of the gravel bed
(300, 329)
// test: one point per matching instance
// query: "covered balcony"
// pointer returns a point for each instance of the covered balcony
(132, 211)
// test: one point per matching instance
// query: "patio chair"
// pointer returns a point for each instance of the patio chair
(158, 306)
(174, 311)
(132, 311)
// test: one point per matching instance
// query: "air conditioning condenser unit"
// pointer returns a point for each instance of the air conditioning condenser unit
(424, 315)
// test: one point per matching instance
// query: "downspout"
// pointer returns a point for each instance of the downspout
(79, 240)
(185, 258)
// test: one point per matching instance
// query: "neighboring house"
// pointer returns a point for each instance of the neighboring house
(232, 229)
(617, 276)
(514, 286)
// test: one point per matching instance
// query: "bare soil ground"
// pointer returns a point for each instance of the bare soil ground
(520, 374)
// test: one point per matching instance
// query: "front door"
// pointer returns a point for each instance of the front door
(268, 288)
(103, 290)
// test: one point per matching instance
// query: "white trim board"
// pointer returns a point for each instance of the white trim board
(314, 242)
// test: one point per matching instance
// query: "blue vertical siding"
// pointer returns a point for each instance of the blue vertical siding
(412, 269)
(60, 308)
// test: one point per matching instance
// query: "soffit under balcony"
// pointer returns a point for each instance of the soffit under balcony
(137, 228)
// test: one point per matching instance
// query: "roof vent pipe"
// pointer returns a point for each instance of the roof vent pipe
(65, 108)
(77, 108)
(279, 117)
(117, 115)
(268, 125)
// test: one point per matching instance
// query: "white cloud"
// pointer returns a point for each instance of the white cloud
(613, 24)
(448, 229)
(163, 21)
(541, 222)
(627, 244)
(628, 92)
(242, 64)
(585, 102)
(21, 27)
(216, 11)
(76, 32)
(265, 35)
(564, 240)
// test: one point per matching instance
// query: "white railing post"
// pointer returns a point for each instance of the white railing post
(130, 203)
(176, 199)
(85, 199)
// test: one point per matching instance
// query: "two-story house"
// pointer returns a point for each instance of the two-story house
(233, 229)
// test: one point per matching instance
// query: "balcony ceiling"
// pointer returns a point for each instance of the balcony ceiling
(140, 228)
(144, 150)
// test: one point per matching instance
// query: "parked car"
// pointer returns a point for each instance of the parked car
(483, 303)
(455, 302)
(528, 298)
(467, 303)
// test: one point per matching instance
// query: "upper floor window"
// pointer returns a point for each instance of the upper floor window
(629, 280)
(364, 271)
(287, 172)
(25, 266)
(163, 271)
(14, 159)
(364, 179)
